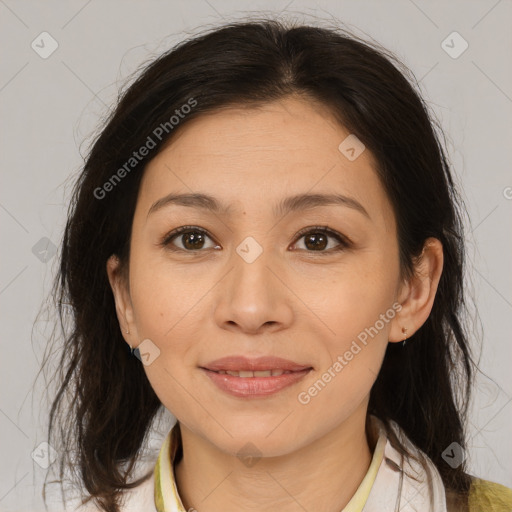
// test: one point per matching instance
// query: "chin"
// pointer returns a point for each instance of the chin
(253, 435)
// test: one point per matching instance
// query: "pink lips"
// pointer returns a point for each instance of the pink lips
(273, 375)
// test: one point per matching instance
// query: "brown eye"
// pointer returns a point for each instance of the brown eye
(192, 239)
(317, 239)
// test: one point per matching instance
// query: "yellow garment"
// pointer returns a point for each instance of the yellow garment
(357, 502)
(484, 496)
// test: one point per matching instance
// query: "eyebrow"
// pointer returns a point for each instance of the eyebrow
(298, 202)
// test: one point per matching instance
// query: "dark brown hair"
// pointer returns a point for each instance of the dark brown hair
(105, 405)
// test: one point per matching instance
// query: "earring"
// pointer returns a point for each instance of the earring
(404, 332)
(127, 332)
(135, 352)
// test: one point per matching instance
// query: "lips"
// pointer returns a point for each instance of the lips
(275, 372)
(254, 378)
(241, 364)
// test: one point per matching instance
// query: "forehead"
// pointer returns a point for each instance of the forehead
(291, 130)
(257, 156)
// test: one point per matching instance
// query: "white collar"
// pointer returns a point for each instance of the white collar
(416, 493)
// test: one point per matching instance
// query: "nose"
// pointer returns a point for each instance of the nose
(253, 298)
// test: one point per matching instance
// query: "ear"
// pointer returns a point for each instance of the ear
(417, 295)
(124, 308)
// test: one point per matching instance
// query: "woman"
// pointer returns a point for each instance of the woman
(266, 240)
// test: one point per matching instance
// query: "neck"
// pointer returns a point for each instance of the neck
(321, 476)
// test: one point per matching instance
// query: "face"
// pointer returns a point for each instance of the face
(263, 276)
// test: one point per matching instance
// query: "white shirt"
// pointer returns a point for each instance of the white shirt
(392, 483)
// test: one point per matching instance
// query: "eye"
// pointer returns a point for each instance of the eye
(317, 238)
(192, 239)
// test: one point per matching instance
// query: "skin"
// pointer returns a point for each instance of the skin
(306, 305)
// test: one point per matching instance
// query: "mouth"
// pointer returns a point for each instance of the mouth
(247, 373)
(254, 378)
(241, 364)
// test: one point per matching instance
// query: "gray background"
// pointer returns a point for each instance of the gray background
(50, 108)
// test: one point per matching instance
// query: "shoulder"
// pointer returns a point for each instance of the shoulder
(486, 496)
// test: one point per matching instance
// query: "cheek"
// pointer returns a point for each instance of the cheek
(162, 297)
(357, 304)
(358, 308)
(167, 307)
(350, 364)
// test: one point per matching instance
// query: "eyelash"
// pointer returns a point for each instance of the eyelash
(344, 242)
